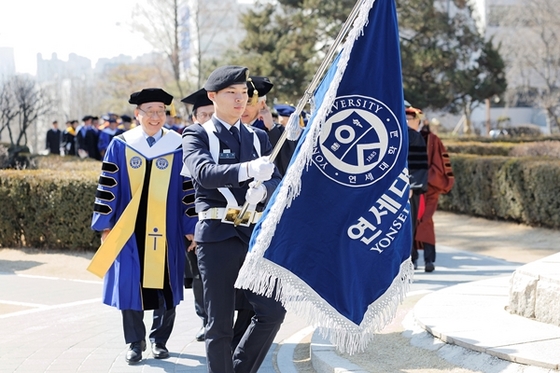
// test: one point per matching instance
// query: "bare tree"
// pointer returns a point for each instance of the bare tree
(214, 29)
(531, 47)
(116, 84)
(22, 101)
(8, 109)
(192, 34)
(162, 24)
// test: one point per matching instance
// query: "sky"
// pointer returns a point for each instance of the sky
(90, 28)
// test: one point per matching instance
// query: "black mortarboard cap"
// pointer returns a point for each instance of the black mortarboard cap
(198, 99)
(150, 95)
(126, 118)
(86, 118)
(225, 76)
(261, 84)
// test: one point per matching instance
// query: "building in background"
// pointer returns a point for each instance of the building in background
(492, 17)
(211, 28)
(7, 62)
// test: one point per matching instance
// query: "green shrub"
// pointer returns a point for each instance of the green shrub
(46, 209)
(67, 163)
(537, 149)
(479, 148)
(518, 189)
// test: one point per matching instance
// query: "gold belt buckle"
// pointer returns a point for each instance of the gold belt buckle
(233, 213)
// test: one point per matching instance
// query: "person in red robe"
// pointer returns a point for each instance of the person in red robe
(440, 181)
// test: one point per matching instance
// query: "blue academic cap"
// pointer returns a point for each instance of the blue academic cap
(284, 110)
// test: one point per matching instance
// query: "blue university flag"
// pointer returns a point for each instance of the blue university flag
(335, 238)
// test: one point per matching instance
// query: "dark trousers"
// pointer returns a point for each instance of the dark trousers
(162, 324)
(197, 286)
(242, 322)
(429, 251)
(414, 202)
(219, 264)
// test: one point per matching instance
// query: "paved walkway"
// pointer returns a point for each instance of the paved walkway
(474, 334)
(55, 324)
(462, 303)
(52, 324)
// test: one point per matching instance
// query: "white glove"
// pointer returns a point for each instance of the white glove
(255, 194)
(260, 169)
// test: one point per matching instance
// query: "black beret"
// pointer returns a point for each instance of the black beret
(126, 118)
(198, 99)
(150, 95)
(225, 76)
(262, 84)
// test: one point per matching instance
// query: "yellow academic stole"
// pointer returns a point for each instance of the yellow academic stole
(155, 242)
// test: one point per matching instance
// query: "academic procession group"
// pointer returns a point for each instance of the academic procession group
(272, 217)
(161, 194)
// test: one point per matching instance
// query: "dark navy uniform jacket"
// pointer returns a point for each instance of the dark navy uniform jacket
(207, 176)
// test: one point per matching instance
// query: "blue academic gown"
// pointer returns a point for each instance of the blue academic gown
(123, 282)
(105, 138)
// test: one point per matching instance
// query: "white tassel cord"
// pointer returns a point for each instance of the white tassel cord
(298, 297)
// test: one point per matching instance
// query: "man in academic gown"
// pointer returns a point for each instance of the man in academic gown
(141, 209)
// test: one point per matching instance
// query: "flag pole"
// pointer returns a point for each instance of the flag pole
(294, 117)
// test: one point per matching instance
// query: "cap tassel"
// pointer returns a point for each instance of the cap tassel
(172, 110)
(255, 96)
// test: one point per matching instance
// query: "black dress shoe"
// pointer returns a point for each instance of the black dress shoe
(159, 351)
(429, 267)
(134, 353)
(200, 335)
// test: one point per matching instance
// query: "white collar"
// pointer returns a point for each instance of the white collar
(168, 143)
(156, 137)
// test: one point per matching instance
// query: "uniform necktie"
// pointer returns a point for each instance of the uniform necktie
(235, 132)
(151, 140)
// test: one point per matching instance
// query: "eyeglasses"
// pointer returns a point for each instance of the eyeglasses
(202, 115)
(152, 113)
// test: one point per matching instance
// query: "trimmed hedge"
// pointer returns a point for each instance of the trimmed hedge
(51, 208)
(524, 189)
(478, 148)
(46, 209)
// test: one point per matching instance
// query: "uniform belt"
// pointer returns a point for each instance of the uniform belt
(229, 214)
